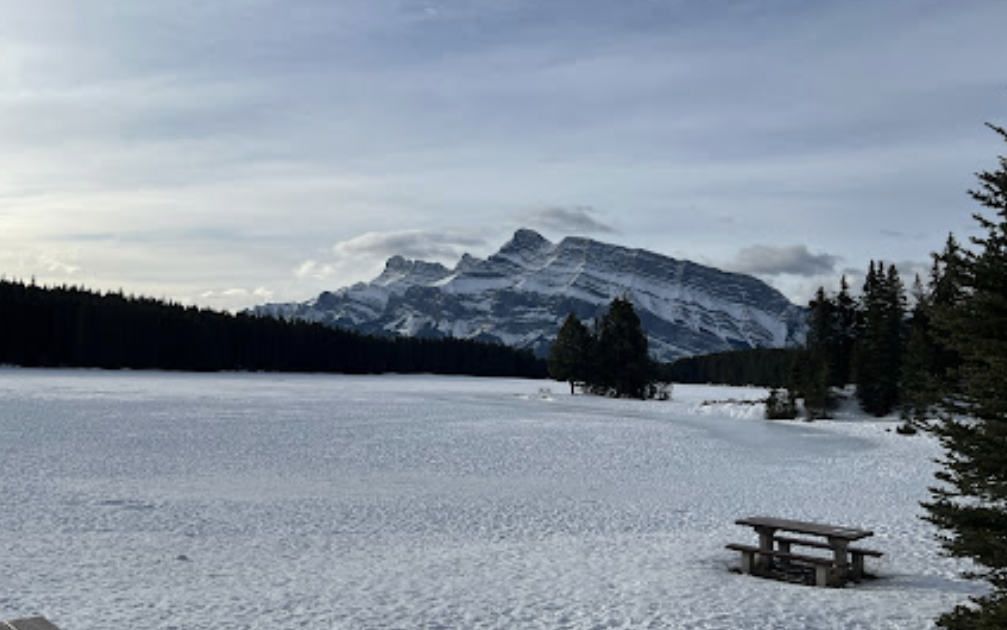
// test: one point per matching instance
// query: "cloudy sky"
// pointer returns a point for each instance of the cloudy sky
(232, 152)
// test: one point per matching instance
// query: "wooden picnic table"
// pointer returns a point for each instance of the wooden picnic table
(837, 539)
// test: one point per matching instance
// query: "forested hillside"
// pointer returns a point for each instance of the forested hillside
(74, 327)
(765, 367)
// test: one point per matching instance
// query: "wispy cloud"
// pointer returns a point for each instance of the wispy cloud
(314, 270)
(794, 260)
(233, 298)
(361, 256)
(421, 244)
(566, 220)
(60, 263)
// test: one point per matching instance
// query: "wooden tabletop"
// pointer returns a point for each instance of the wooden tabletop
(804, 527)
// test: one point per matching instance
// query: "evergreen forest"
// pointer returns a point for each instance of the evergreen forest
(74, 327)
(890, 351)
(762, 367)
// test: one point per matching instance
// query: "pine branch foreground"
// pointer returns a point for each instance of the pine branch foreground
(970, 503)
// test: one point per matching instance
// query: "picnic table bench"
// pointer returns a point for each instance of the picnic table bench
(774, 555)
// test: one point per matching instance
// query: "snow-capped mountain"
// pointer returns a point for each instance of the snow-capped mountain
(521, 295)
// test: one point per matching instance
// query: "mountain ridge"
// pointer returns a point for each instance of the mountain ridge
(521, 294)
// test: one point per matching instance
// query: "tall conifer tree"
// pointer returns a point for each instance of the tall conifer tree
(624, 363)
(570, 356)
(815, 367)
(971, 504)
(847, 315)
(919, 383)
(879, 352)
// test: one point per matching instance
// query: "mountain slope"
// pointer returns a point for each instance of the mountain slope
(521, 294)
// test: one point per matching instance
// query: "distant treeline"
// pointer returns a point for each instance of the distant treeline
(898, 357)
(75, 327)
(763, 367)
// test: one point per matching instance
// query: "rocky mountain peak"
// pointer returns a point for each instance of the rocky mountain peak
(525, 240)
(467, 263)
(526, 248)
(399, 269)
(521, 295)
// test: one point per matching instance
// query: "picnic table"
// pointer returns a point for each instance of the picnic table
(774, 555)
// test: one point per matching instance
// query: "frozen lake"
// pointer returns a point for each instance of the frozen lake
(171, 501)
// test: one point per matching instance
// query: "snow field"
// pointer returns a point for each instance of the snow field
(171, 501)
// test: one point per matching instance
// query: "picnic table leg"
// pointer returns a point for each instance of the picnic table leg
(821, 575)
(857, 569)
(840, 548)
(784, 546)
(766, 539)
(747, 562)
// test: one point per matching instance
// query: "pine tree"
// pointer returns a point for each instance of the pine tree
(879, 348)
(823, 339)
(814, 368)
(930, 365)
(971, 504)
(624, 366)
(919, 381)
(847, 316)
(570, 356)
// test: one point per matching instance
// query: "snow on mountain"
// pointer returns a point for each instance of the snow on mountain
(521, 295)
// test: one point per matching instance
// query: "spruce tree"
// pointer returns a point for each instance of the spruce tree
(847, 316)
(919, 382)
(813, 372)
(823, 339)
(624, 366)
(880, 342)
(929, 366)
(570, 356)
(970, 505)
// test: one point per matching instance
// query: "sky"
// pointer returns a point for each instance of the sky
(236, 152)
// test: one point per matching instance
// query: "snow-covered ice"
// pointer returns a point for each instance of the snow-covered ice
(249, 501)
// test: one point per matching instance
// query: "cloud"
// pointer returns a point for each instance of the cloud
(800, 289)
(567, 220)
(55, 263)
(419, 244)
(793, 260)
(362, 256)
(312, 269)
(232, 299)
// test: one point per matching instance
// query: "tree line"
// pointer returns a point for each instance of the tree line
(611, 358)
(897, 355)
(890, 351)
(762, 367)
(75, 327)
(855, 341)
